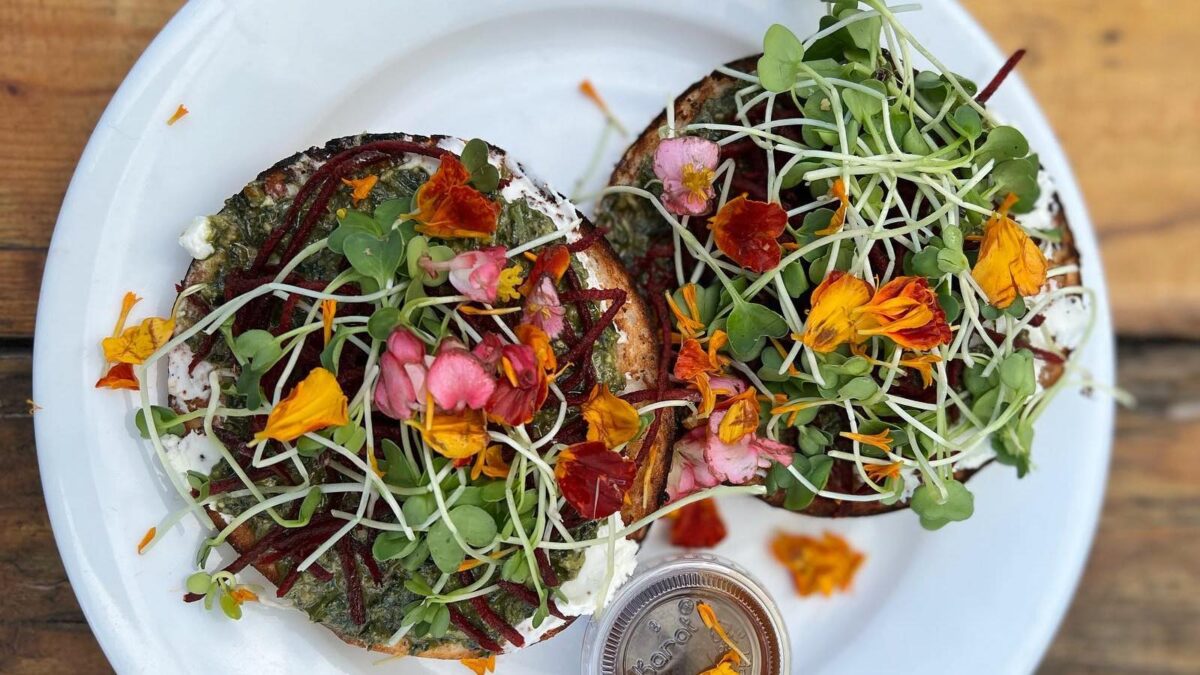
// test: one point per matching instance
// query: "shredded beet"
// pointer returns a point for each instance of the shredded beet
(489, 617)
(616, 296)
(368, 559)
(545, 568)
(481, 638)
(526, 595)
(354, 589)
(1007, 68)
(585, 242)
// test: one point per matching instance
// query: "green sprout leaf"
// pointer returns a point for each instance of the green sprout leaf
(749, 326)
(355, 222)
(390, 545)
(165, 421)
(1002, 143)
(383, 322)
(199, 583)
(936, 512)
(779, 65)
(474, 157)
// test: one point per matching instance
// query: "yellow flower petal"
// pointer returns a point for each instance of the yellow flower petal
(510, 281)
(881, 440)
(741, 418)
(328, 312)
(360, 187)
(609, 418)
(457, 435)
(1010, 263)
(820, 565)
(831, 323)
(481, 666)
(315, 403)
(839, 216)
(135, 344)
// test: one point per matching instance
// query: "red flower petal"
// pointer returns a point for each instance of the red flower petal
(747, 232)
(552, 262)
(120, 376)
(448, 207)
(594, 479)
(698, 525)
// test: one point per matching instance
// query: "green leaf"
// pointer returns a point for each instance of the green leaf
(966, 121)
(951, 262)
(390, 545)
(795, 175)
(493, 492)
(985, 406)
(383, 322)
(389, 211)
(230, 606)
(418, 586)
(864, 32)
(1017, 373)
(307, 447)
(914, 143)
(862, 105)
(794, 278)
(935, 512)
(352, 436)
(443, 548)
(418, 508)
(307, 507)
(1002, 143)
(779, 65)
(859, 389)
(414, 560)
(373, 256)
(399, 471)
(749, 326)
(199, 482)
(199, 583)
(475, 525)
(165, 421)
(1014, 445)
(259, 347)
(952, 237)
(354, 222)
(474, 154)
(925, 262)
(816, 470)
(440, 622)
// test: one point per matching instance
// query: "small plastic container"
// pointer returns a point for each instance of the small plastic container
(653, 627)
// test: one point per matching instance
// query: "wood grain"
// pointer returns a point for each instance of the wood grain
(1119, 84)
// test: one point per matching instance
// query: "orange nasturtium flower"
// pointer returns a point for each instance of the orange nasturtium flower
(820, 565)
(879, 472)
(177, 115)
(536, 339)
(610, 419)
(831, 323)
(747, 231)
(129, 346)
(360, 187)
(906, 310)
(839, 216)
(482, 665)
(490, 463)
(709, 617)
(551, 262)
(328, 312)
(593, 479)
(146, 539)
(697, 525)
(1010, 263)
(923, 364)
(456, 435)
(741, 417)
(315, 403)
(689, 322)
(881, 440)
(448, 207)
(728, 665)
(697, 366)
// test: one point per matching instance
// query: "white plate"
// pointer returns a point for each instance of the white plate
(264, 79)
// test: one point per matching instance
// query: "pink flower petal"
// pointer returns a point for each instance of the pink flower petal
(405, 347)
(457, 379)
(671, 158)
(689, 472)
(543, 309)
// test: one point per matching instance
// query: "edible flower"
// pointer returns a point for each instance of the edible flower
(610, 419)
(923, 364)
(551, 263)
(315, 403)
(177, 115)
(838, 191)
(537, 340)
(360, 187)
(490, 463)
(703, 460)
(689, 323)
(448, 207)
(747, 231)
(1010, 263)
(403, 370)
(119, 376)
(543, 309)
(455, 435)
(508, 284)
(703, 368)
(878, 472)
(687, 167)
(831, 322)
(589, 90)
(820, 565)
(482, 665)
(697, 525)
(741, 417)
(457, 379)
(328, 312)
(906, 310)
(521, 388)
(726, 666)
(127, 347)
(475, 274)
(593, 479)
(146, 539)
(881, 440)
(709, 617)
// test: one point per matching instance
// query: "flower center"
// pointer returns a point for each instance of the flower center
(697, 179)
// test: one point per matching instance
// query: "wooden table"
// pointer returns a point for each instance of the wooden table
(1120, 85)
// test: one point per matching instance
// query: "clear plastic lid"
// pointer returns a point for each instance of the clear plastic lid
(653, 625)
